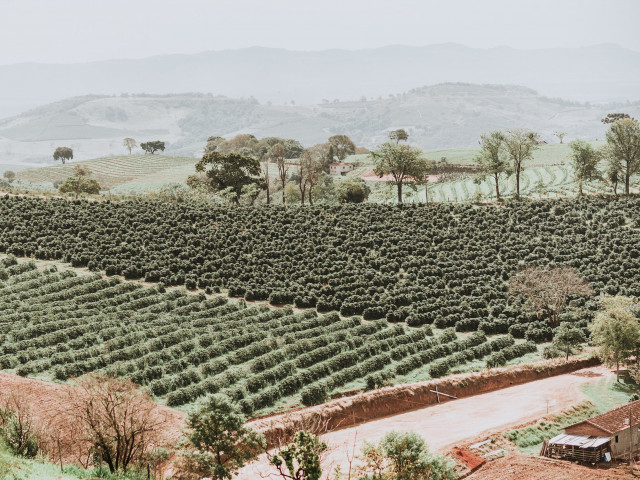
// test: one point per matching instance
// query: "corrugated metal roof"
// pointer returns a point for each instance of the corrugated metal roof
(582, 441)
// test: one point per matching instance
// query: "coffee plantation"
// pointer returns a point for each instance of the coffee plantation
(435, 264)
(183, 346)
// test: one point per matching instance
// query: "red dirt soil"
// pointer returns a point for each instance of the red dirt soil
(469, 459)
(524, 467)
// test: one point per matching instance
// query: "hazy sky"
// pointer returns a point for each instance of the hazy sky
(64, 31)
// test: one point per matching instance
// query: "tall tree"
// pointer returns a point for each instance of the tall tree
(546, 289)
(614, 169)
(493, 158)
(520, 144)
(616, 333)
(277, 153)
(403, 162)
(584, 159)
(267, 180)
(403, 456)
(343, 146)
(398, 135)
(243, 143)
(623, 147)
(229, 170)
(212, 143)
(222, 442)
(63, 153)
(152, 146)
(311, 166)
(560, 134)
(9, 175)
(129, 143)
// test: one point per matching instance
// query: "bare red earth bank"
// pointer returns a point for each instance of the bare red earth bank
(362, 408)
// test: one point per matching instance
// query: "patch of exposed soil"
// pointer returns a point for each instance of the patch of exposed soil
(525, 467)
(466, 457)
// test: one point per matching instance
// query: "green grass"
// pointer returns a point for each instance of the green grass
(529, 439)
(607, 394)
(15, 468)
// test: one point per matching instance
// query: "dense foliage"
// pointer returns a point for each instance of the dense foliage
(445, 265)
(184, 346)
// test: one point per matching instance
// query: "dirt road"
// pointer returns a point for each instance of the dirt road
(454, 421)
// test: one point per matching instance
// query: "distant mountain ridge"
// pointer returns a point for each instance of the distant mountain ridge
(597, 73)
(446, 115)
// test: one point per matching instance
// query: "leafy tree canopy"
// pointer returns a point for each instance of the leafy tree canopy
(129, 143)
(568, 337)
(614, 117)
(398, 135)
(230, 170)
(616, 333)
(153, 146)
(623, 148)
(404, 456)
(300, 460)
(352, 190)
(403, 162)
(342, 145)
(222, 442)
(63, 153)
(493, 158)
(80, 183)
(584, 160)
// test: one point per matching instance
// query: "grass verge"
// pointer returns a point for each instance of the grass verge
(529, 439)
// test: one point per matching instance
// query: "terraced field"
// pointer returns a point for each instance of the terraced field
(535, 182)
(183, 346)
(121, 174)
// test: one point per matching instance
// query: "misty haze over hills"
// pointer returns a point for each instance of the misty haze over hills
(599, 73)
(439, 116)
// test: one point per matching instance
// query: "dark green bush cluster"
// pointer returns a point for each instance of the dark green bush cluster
(501, 357)
(437, 264)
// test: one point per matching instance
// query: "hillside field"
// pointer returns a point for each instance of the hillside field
(437, 265)
(122, 174)
(57, 325)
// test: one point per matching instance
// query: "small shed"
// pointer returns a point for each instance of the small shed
(577, 448)
(620, 425)
(341, 168)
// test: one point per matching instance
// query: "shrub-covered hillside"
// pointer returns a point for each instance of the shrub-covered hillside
(181, 346)
(424, 264)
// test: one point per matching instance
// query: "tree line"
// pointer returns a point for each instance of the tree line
(503, 154)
